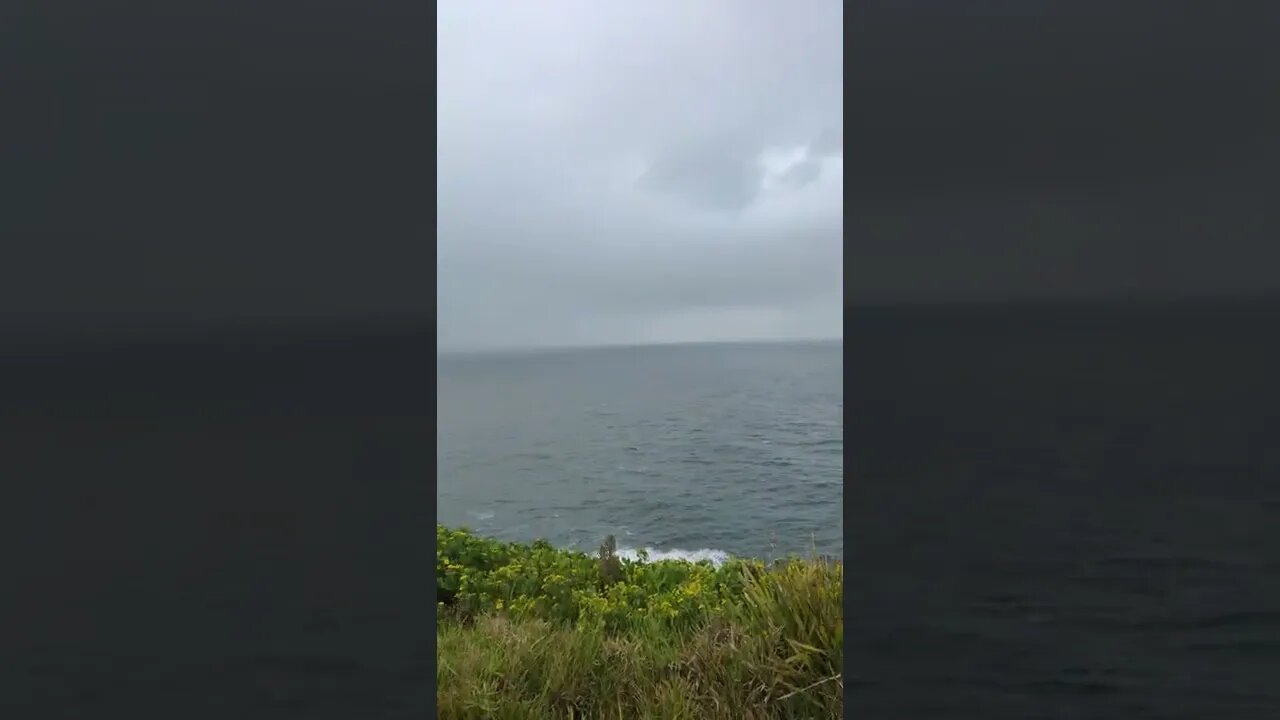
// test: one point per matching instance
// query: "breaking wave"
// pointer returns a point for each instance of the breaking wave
(716, 557)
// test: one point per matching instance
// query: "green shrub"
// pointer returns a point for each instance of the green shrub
(478, 575)
(531, 631)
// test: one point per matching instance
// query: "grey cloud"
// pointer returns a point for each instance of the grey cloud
(706, 177)
(628, 172)
(829, 142)
(802, 173)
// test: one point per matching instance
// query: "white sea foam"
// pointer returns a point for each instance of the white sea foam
(717, 557)
(481, 515)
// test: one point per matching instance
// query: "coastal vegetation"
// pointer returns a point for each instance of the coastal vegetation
(533, 631)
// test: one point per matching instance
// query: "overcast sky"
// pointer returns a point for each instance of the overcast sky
(638, 172)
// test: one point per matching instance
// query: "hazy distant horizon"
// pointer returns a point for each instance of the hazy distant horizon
(518, 349)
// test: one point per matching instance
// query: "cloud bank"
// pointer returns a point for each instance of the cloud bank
(643, 172)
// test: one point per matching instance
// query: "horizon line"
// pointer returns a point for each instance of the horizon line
(503, 349)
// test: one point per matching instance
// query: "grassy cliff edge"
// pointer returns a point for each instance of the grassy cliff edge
(532, 631)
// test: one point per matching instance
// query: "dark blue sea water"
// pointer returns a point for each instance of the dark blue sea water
(686, 450)
(1066, 512)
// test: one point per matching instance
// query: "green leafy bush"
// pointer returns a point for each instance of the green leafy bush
(532, 631)
(480, 575)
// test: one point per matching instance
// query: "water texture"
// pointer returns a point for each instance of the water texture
(695, 451)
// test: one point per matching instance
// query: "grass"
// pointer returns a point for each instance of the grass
(531, 631)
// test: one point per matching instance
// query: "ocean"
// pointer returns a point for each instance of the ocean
(699, 451)
(1063, 512)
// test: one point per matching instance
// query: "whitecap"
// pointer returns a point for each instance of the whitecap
(716, 557)
(638, 470)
